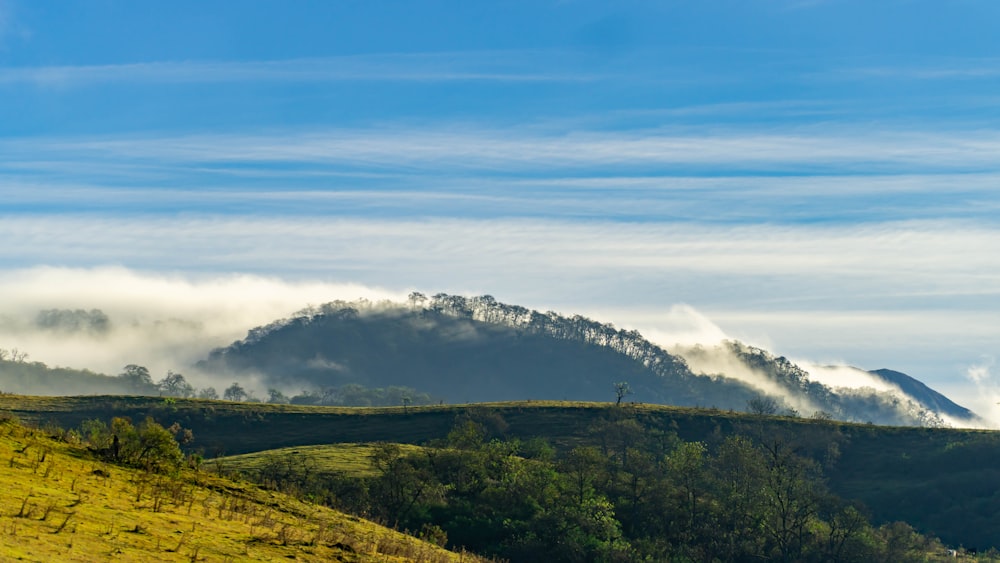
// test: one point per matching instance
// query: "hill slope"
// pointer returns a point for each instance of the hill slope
(59, 504)
(478, 349)
(941, 480)
(468, 350)
(924, 394)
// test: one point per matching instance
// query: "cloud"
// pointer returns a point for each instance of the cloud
(876, 266)
(165, 322)
(984, 398)
(331, 193)
(981, 373)
(683, 325)
(952, 69)
(841, 376)
(486, 66)
(168, 321)
(458, 150)
(719, 360)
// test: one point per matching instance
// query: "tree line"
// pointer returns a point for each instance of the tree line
(637, 495)
(138, 379)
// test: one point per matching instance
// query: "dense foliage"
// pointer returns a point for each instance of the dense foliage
(148, 446)
(634, 496)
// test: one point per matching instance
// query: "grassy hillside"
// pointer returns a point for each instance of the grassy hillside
(352, 460)
(943, 481)
(59, 504)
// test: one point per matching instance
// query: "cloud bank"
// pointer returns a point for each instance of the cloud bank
(163, 322)
(104, 318)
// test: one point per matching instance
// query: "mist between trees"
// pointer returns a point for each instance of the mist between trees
(35, 378)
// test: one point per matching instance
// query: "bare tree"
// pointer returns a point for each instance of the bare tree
(622, 389)
(762, 405)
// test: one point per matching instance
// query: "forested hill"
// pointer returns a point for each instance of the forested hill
(469, 350)
(460, 349)
(923, 393)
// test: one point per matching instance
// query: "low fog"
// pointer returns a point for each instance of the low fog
(103, 319)
(687, 333)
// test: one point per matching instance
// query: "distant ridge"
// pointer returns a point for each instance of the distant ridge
(469, 350)
(475, 349)
(924, 394)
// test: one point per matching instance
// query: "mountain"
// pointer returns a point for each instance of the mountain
(924, 394)
(468, 350)
(476, 349)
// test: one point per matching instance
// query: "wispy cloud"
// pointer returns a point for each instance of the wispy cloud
(799, 175)
(331, 193)
(497, 149)
(876, 295)
(965, 69)
(512, 66)
(877, 266)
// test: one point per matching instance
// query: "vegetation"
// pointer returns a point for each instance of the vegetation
(637, 496)
(941, 481)
(63, 502)
(302, 462)
(478, 349)
(474, 349)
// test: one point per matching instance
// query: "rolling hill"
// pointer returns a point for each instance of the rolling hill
(460, 349)
(60, 503)
(943, 481)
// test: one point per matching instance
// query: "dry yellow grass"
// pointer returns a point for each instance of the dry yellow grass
(352, 460)
(58, 504)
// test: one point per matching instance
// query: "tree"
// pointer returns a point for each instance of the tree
(402, 483)
(174, 385)
(582, 466)
(792, 490)
(137, 378)
(235, 392)
(621, 390)
(686, 467)
(762, 405)
(275, 396)
(150, 446)
(13, 355)
(208, 393)
(739, 471)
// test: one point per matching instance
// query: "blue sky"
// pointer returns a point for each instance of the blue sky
(819, 177)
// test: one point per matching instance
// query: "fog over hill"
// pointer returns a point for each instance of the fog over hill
(434, 346)
(463, 349)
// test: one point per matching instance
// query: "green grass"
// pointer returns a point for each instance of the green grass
(349, 460)
(59, 504)
(940, 480)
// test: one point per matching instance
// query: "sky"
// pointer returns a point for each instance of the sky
(821, 178)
